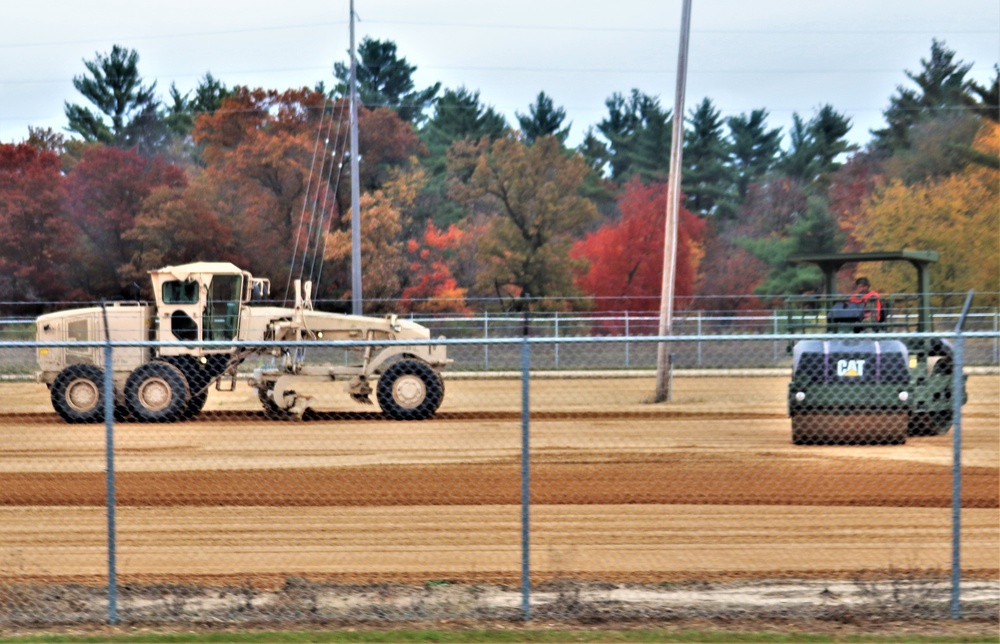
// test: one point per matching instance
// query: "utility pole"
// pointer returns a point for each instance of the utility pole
(664, 368)
(355, 185)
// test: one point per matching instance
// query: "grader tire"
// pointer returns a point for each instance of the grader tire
(78, 394)
(410, 390)
(849, 429)
(157, 392)
(195, 404)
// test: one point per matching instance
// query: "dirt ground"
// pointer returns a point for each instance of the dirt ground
(708, 486)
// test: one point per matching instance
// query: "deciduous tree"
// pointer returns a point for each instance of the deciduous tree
(728, 274)
(383, 261)
(955, 215)
(106, 193)
(266, 174)
(533, 195)
(432, 285)
(624, 259)
(458, 115)
(176, 225)
(34, 237)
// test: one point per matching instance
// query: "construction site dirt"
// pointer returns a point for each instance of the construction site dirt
(706, 487)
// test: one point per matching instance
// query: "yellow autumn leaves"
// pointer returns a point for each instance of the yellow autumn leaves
(957, 215)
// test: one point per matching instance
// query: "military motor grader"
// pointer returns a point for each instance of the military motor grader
(854, 391)
(214, 302)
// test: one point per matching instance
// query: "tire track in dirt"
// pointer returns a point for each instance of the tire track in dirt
(228, 417)
(679, 479)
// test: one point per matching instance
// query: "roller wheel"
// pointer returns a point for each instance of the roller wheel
(410, 390)
(849, 429)
(157, 392)
(78, 394)
(930, 423)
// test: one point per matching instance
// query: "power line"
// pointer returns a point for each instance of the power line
(196, 34)
(508, 27)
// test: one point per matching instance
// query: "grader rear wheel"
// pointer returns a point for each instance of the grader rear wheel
(157, 392)
(849, 429)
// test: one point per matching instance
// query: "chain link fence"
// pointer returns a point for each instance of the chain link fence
(831, 477)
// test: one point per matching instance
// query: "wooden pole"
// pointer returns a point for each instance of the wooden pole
(663, 361)
(355, 185)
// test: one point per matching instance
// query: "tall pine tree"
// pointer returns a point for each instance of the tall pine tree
(543, 119)
(707, 178)
(128, 113)
(385, 80)
(753, 149)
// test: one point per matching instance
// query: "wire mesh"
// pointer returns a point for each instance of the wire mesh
(234, 506)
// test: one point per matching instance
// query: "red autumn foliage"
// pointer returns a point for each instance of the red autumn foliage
(107, 190)
(626, 257)
(34, 237)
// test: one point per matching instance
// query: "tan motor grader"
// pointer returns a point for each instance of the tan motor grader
(213, 302)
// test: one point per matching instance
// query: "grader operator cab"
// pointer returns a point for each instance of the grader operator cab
(852, 391)
(214, 302)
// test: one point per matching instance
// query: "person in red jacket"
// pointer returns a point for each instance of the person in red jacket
(868, 300)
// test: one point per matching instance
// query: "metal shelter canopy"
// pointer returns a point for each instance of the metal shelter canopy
(831, 264)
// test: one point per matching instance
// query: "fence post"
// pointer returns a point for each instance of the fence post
(699, 337)
(525, 473)
(957, 398)
(774, 314)
(109, 455)
(956, 479)
(627, 343)
(555, 333)
(486, 336)
(996, 336)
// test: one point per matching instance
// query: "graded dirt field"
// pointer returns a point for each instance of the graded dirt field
(708, 486)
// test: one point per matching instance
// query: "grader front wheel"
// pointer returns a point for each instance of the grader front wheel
(410, 390)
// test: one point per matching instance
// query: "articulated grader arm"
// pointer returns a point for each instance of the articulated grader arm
(409, 383)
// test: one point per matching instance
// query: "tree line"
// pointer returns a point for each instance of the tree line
(463, 210)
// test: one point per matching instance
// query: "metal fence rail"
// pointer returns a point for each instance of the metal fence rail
(546, 486)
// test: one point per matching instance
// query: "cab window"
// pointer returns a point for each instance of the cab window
(178, 292)
(222, 309)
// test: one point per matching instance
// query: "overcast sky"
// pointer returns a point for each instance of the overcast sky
(783, 55)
